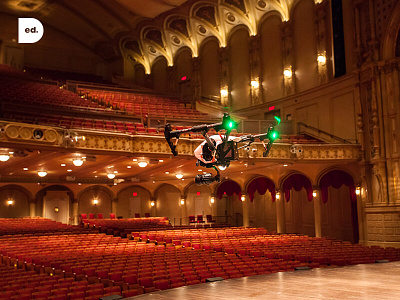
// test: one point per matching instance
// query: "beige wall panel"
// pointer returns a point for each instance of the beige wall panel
(159, 71)
(167, 203)
(183, 64)
(128, 204)
(305, 46)
(86, 205)
(271, 59)
(20, 207)
(239, 69)
(198, 204)
(299, 214)
(140, 75)
(342, 116)
(210, 70)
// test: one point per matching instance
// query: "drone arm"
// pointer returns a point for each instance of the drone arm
(209, 143)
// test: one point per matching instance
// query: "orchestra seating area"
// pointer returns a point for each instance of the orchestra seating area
(37, 226)
(62, 266)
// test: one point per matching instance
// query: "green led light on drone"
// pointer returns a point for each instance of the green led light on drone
(277, 119)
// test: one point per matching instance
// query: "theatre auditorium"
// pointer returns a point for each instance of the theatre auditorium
(99, 201)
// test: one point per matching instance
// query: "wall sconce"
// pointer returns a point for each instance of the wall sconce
(95, 201)
(243, 198)
(358, 190)
(182, 201)
(152, 203)
(10, 202)
(278, 195)
(314, 193)
(321, 58)
(255, 83)
(288, 72)
(56, 209)
(212, 199)
(224, 95)
(255, 91)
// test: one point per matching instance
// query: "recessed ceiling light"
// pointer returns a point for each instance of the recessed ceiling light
(95, 176)
(183, 179)
(115, 183)
(200, 170)
(154, 181)
(179, 176)
(79, 183)
(128, 167)
(62, 165)
(110, 167)
(135, 159)
(285, 165)
(161, 160)
(115, 172)
(11, 152)
(69, 170)
(25, 169)
(166, 172)
(111, 175)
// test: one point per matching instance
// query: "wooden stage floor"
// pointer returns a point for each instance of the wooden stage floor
(369, 281)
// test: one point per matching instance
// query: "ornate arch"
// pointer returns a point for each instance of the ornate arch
(388, 47)
(297, 181)
(187, 188)
(336, 178)
(19, 188)
(229, 187)
(133, 186)
(260, 184)
(57, 187)
(97, 187)
(157, 190)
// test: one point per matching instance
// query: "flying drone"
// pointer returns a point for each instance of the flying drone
(217, 151)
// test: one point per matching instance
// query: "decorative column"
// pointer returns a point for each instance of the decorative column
(360, 214)
(153, 207)
(245, 202)
(255, 70)
(196, 79)
(172, 80)
(288, 58)
(213, 204)
(32, 209)
(224, 76)
(357, 22)
(75, 210)
(114, 206)
(184, 216)
(320, 20)
(280, 213)
(317, 212)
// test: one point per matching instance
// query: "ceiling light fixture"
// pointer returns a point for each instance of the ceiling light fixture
(4, 157)
(77, 162)
(179, 176)
(25, 169)
(42, 173)
(111, 175)
(142, 164)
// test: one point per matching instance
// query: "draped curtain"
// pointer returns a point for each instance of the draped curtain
(297, 182)
(336, 179)
(229, 187)
(261, 185)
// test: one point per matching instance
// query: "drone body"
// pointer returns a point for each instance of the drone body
(218, 150)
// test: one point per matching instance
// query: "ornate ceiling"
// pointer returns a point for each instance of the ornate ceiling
(141, 31)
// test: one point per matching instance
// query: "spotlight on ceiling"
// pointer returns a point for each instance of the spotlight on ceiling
(111, 175)
(142, 164)
(179, 176)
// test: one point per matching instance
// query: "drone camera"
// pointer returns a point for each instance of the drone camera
(206, 179)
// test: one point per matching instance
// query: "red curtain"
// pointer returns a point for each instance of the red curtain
(336, 179)
(297, 182)
(261, 185)
(229, 187)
